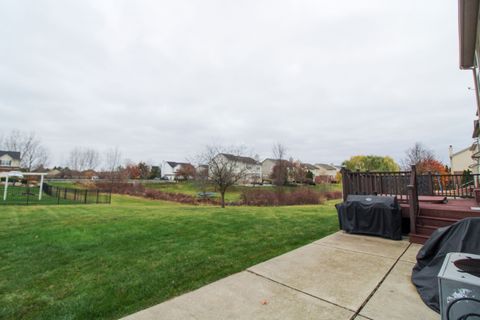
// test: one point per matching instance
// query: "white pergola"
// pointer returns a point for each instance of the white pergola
(18, 174)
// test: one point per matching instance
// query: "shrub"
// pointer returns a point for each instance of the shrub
(89, 184)
(170, 196)
(260, 198)
(331, 195)
(280, 197)
(252, 197)
(303, 196)
(137, 189)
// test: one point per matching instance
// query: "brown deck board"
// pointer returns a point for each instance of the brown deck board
(432, 199)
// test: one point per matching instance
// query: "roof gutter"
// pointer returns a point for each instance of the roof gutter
(467, 25)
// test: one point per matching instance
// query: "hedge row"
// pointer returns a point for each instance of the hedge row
(280, 198)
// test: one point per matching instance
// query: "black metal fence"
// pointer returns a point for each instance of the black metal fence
(30, 195)
(72, 195)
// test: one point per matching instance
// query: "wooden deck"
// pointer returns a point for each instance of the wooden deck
(430, 199)
(423, 197)
(433, 215)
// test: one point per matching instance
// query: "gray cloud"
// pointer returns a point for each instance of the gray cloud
(162, 79)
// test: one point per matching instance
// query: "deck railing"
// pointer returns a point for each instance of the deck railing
(376, 183)
(449, 185)
(396, 184)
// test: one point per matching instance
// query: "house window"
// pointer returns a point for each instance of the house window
(6, 163)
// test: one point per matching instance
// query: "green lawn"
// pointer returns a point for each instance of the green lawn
(62, 184)
(233, 193)
(107, 261)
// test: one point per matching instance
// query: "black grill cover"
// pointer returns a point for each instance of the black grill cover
(373, 215)
(462, 236)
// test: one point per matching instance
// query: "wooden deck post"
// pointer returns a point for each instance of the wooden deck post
(358, 183)
(413, 200)
(345, 181)
(430, 184)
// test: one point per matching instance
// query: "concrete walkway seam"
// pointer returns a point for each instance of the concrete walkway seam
(379, 284)
(350, 250)
(300, 291)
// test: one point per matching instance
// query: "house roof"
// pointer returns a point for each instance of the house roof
(275, 160)
(470, 148)
(242, 159)
(309, 166)
(173, 164)
(14, 154)
(325, 166)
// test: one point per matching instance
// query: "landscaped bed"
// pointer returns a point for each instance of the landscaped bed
(187, 192)
(234, 194)
(97, 261)
(247, 195)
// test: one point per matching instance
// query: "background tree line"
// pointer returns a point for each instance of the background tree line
(422, 157)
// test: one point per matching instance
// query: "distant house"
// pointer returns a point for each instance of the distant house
(201, 169)
(463, 159)
(53, 173)
(170, 168)
(9, 160)
(267, 167)
(325, 173)
(251, 167)
(309, 168)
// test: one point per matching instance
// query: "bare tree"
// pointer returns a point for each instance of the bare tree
(81, 159)
(91, 158)
(201, 178)
(32, 154)
(185, 172)
(144, 169)
(280, 170)
(113, 158)
(225, 167)
(417, 154)
(298, 171)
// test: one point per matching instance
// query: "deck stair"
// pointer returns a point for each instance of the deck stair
(432, 216)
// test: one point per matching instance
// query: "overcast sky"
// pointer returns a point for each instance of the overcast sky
(161, 79)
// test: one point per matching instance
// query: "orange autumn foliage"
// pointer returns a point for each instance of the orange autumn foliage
(431, 165)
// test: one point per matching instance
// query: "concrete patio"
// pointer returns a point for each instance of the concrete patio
(341, 276)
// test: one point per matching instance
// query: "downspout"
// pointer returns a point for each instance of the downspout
(477, 96)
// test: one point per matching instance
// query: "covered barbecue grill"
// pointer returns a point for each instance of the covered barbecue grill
(373, 215)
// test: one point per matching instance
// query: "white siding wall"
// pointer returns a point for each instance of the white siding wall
(167, 171)
(252, 171)
(15, 163)
(462, 161)
(267, 168)
(324, 172)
